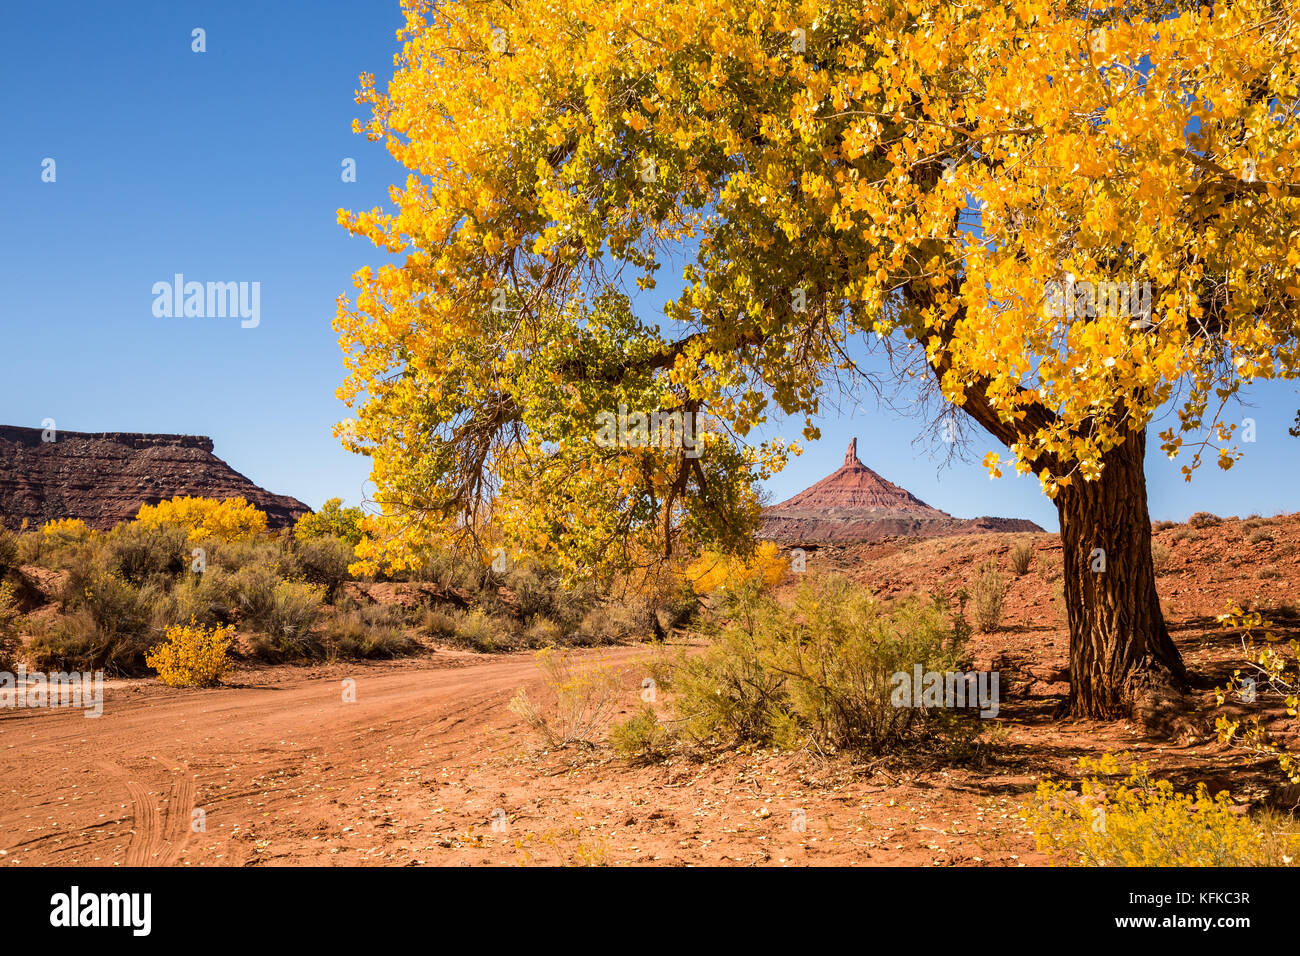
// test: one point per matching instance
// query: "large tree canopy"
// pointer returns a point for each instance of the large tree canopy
(1002, 185)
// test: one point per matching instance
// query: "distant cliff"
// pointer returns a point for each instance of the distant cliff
(103, 478)
(854, 503)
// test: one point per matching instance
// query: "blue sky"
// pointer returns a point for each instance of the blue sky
(225, 166)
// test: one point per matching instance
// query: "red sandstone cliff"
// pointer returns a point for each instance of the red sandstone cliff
(856, 504)
(104, 478)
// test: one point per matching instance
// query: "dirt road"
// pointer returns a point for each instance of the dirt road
(279, 769)
(195, 776)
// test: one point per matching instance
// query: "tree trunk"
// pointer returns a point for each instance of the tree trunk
(1122, 661)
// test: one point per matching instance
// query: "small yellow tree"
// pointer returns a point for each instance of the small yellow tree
(192, 655)
(232, 519)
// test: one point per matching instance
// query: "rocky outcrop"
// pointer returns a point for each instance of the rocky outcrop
(103, 478)
(854, 503)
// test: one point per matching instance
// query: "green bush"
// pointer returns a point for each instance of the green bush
(324, 560)
(365, 633)
(438, 623)
(208, 599)
(141, 555)
(285, 624)
(252, 591)
(333, 520)
(8, 552)
(482, 632)
(274, 555)
(641, 738)
(76, 641)
(819, 670)
(11, 619)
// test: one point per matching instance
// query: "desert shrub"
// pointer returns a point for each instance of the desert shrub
(252, 591)
(65, 531)
(11, 620)
(275, 555)
(543, 632)
(285, 622)
(208, 599)
(585, 695)
(1259, 536)
(482, 632)
(989, 592)
(117, 608)
(1159, 557)
(71, 642)
(613, 623)
(438, 623)
(535, 591)
(1184, 534)
(57, 545)
(1204, 519)
(1141, 821)
(233, 519)
(821, 669)
(1021, 555)
(324, 560)
(29, 549)
(1158, 526)
(1268, 574)
(365, 633)
(76, 641)
(332, 520)
(192, 655)
(447, 570)
(8, 552)
(641, 738)
(142, 553)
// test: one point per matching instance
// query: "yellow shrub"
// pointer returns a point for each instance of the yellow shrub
(66, 530)
(1140, 821)
(711, 571)
(192, 655)
(233, 519)
(1274, 675)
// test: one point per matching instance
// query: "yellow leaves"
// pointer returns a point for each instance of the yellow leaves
(66, 530)
(991, 462)
(933, 167)
(192, 655)
(1137, 820)
(712, 571)
(232, 519)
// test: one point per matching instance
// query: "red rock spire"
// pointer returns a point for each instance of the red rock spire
(851, 456)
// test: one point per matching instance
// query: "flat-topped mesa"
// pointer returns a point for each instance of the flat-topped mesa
(103, 478)
(854, 503)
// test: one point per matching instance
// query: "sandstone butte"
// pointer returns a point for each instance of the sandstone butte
(854, 503)
(103, 478)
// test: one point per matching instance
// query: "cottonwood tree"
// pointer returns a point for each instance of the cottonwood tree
(955, 177)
